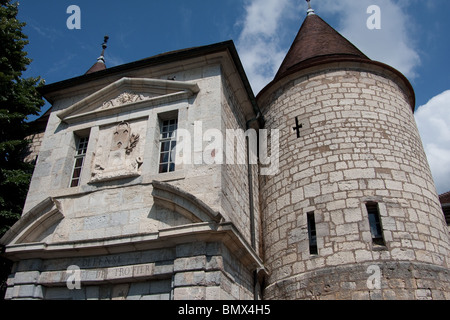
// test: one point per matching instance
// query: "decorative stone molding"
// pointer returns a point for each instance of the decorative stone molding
(34, 223)
(124, 98)
(186, 204)
(130, 94)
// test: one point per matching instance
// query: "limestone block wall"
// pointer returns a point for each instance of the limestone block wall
(359, 143)
(223, 187)
(190, 271)
(203, 113)
(54, 168)
(235, 173)
(112, 213)
(399, 280)
(34, 147)
(111, 205)
(209, 271)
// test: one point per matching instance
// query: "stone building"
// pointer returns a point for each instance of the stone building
(115, 211)
(354, 193)
(445, 203)
(108, 198)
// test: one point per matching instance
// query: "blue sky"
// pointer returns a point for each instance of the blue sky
(413, 38)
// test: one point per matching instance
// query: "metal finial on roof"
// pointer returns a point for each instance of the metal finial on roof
(104, 46)
(100, 64)
(310, 9)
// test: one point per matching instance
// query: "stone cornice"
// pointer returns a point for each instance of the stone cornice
(224, 232)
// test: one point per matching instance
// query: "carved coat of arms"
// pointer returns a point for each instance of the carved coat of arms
(120, 162)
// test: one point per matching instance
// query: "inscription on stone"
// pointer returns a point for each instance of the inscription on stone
(116, 273)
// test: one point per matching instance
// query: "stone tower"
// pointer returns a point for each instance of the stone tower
(353, 212)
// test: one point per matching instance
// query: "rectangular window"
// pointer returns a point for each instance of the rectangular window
(82, 145)
(375, 223)
(312, 234)
(168, 143)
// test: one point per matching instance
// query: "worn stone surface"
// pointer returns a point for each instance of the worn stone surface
(202, 231)
(34, 147)
(113, 196)
(186, 271)
(397, 281)
(359, 143)
(114, 208)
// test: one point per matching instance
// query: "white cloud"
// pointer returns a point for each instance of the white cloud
(393, 44)
(261, 51)
(433, 120)
(259, 42)
(262, 17)
(262, 44)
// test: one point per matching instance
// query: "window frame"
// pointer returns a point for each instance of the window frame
(312, 233)
(167, 144)
(82, 144)
(375, 223)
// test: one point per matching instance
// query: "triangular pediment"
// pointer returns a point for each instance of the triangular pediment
(128, 94)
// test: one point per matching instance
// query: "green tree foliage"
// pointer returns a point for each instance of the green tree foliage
(18, 99)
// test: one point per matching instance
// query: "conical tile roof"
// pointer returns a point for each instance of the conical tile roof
(316, 41)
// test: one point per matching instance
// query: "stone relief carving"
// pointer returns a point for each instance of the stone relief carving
(134, 140)
(121, 162)
(124, 98)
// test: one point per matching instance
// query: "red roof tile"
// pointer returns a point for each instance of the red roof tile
(98, 66)
(318, 43)
(317, 39)
(445, 198)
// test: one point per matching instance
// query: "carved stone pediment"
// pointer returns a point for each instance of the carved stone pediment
(128, 94)
(126, 98)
